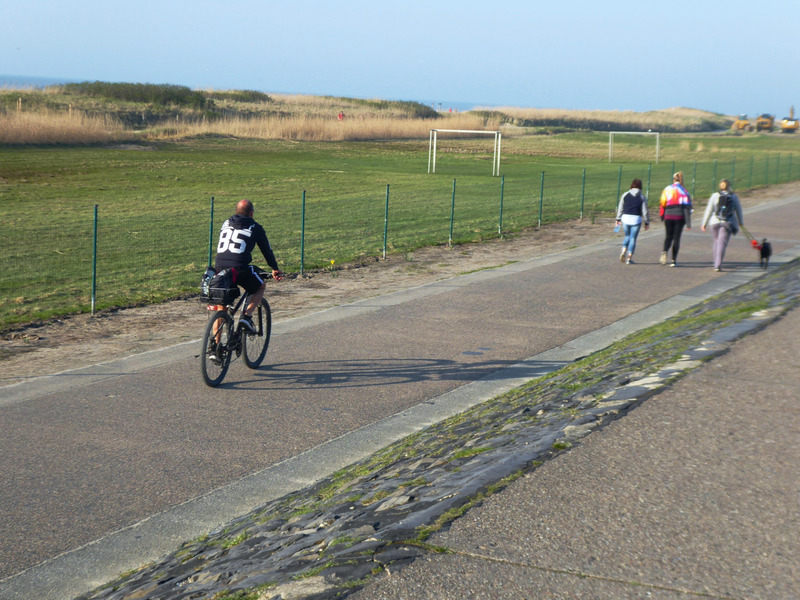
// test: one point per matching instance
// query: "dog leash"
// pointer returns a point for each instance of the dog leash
(753, 241)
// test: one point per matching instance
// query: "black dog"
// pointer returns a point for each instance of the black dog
(766, 252)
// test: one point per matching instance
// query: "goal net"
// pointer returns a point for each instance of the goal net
(611, 135)
(435, 134)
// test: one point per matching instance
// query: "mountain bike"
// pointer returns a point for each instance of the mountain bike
(225, 339)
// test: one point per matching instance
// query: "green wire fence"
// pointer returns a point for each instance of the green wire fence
(121, 258)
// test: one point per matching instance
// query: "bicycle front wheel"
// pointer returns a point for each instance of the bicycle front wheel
(215, 355)
(255, 344)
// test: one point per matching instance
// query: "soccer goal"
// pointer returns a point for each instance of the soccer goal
(611, 135)
(434, 136)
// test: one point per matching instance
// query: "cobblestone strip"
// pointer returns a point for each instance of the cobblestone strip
(326, 540)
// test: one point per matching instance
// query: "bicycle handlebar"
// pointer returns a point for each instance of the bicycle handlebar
(270, 273)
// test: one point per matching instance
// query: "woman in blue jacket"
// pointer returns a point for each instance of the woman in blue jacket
(631, 213)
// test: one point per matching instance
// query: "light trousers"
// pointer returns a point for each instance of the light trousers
(721, 235)
(631, 233)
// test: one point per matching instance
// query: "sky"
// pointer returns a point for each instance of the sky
(729, 57)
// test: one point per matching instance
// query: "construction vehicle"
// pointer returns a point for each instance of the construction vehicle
(742, 124)
(765, 122)
(789, 124)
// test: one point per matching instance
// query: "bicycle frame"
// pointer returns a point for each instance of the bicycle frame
(235, 341)
(231, 309)
(225, 340)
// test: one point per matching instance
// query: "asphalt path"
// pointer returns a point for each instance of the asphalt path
(94, 452)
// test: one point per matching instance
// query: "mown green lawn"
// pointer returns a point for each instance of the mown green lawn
(154, 202)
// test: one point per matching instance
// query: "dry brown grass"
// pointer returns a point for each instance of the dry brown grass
(315, 118)
(327, 106)
(75, 119)
(51, 116)
(59, 128)
(671, 119)
(316, 128)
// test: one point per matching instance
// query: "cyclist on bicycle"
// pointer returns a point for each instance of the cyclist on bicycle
(237, 239)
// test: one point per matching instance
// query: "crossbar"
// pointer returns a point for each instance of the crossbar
(432, 147)
(611, 141)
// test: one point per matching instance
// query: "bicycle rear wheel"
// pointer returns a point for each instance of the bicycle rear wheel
(255, 344)
(215, 355)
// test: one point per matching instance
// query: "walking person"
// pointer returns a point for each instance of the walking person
(723, 216)
(676, 212)
(631, 213)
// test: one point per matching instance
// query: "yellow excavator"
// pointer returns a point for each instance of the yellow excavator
(742, 124)
(765, 122)
(789, 124)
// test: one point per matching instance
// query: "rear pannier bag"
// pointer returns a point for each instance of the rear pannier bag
(222, 288)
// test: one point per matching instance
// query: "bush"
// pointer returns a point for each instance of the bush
(413, 110)
(30, 100)
(418, 110)
(241, 96)
(161, 94)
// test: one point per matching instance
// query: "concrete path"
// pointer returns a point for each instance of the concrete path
(693, 494)
(105, 468)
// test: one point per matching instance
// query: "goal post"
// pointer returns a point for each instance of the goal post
(434, 136)
(611, 141)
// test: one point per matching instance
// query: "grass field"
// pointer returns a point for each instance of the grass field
(154, 201)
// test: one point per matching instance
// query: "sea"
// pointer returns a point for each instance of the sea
(25, 81)
(457, 106)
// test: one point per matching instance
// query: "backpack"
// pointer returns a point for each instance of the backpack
(221, 288)
(725, 206)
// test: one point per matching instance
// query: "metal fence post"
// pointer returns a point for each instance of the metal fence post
(649, 173)
(452, 214)
(583, 191)
(778, 170)
(541, 199)
(500, 222)
(619, 186)
(733, 171)
(386, 222)
(303, 234)
(714, 177)
(211, 232)
(94, 259)
(750, 180)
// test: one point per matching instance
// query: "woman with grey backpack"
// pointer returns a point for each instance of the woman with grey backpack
(724, 217)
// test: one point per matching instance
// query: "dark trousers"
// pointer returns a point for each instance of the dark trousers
(674, 229)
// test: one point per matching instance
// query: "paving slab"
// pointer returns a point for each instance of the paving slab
(693, 493)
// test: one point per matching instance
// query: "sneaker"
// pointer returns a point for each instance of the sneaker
(246, 321)
(673, 264)
(717, 269)
(663, 260)
(622, 256)
(630, 259)
(212, 356)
